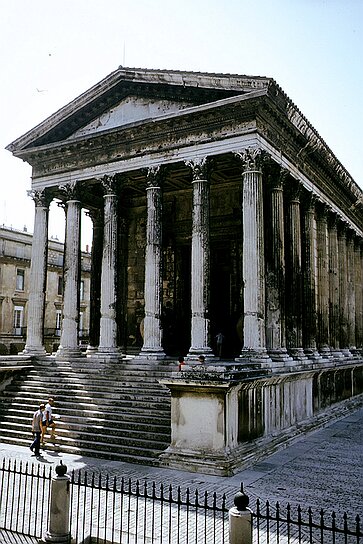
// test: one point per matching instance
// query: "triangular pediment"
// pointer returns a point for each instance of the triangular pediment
(130, 110)
(131, 95)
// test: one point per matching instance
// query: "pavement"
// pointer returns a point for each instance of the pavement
(321, 470)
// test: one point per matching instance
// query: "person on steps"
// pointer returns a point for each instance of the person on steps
(37, 429)
(48, 421)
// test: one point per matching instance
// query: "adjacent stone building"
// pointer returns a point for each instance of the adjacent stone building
(217, 210)
(15, 265)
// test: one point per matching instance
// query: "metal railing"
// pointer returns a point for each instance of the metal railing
(276, 524)
(124, 511)
(24, 497)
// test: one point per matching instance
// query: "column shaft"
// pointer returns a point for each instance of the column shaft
(38, 276)
(275, 288)
(351, 292)
(95, 288)
(323, 281)
(108, 324)
(309, 280)
(152, 346)
(334, 286)
(359, 294)
(294, 291)
(200, 267)
(254, 338)
(343, 298)
(69, 335)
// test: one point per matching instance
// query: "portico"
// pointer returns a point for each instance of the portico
(205, 220)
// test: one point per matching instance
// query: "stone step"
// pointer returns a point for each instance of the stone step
(87, 401)
(95, 434)
(135, 416)
(100, 450)
(74, 423)
(111, 412)
(67, 393)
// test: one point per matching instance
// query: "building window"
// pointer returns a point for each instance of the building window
(20, 276)
(58, 322)
(60, 285)
(81, 290)
(18, 320)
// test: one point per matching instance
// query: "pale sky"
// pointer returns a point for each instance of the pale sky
(51, 51)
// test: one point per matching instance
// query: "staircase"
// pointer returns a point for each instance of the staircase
(116, 411)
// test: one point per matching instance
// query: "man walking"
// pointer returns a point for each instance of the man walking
(37, 427)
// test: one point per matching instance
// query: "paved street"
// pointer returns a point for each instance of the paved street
(323, 470)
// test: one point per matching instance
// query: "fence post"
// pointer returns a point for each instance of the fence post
(240, 520)
(58, 524)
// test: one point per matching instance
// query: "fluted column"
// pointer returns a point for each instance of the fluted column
(294, 285)
(359, 294)
(275, 280)
(95, 287)
(309, 279)
(38, 274)
(334, 285)
(351, 291)
(200, 269)
(108, 325)
(68, 346)
(254, 337)
(152, 346)
(323, 279)
(343, 298)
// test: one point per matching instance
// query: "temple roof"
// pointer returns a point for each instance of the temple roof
(169, 89)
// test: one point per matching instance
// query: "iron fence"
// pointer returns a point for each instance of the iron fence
(24, 497)
(276, 524)
(125, 511)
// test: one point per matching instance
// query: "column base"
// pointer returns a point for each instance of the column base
(298, 354)
(34, 350)
(64, 354)
(312, 354)
(150, 355)
(258, 358)
(108, 354)
(51, 537)
(280, 355)
(206, 351)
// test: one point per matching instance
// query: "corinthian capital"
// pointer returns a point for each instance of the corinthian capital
(154, 176)
(199, 168)
(41, 198)
(109, 184)
(70, 190)
(251, 158)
